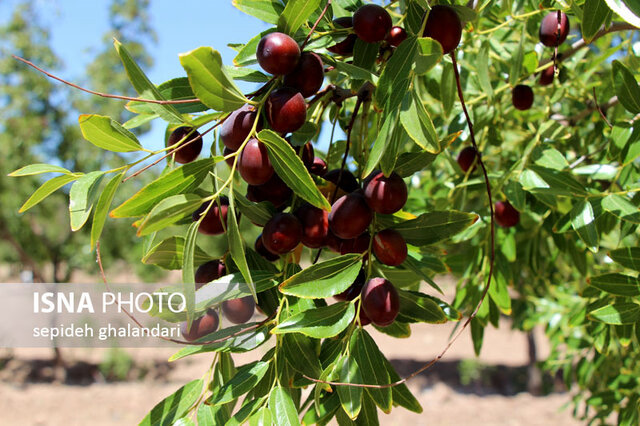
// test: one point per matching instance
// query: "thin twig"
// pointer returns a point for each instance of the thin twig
(105, 95)
(306, 40)
(604, 117)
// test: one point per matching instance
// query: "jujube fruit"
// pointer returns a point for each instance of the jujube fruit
(444, 25)
(277, 53)
(240, 310)
(506, 215)
(286, 110)
(549, 34)
(274, 190)
(206, 324)
(209, 271)
(371, 23)
(262, 250)
(396, 36)
(347, 183)
(315, 225)
(467, 158)
(350, 216)
(522, 97)
(308, 154)
(212, 222)
(359, 244)
(229, 160)
(237, 126)
(186, 153)
(319, 167)
(354, 289)
(282, 233)
(308, 75)
(386, 195)
(546, 76)
(380, 301)
(389, 247)
(345, 47)
(253, 164)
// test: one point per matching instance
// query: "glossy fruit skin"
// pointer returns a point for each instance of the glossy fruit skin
(226, 152)
(188, 153)
(396, 36)
(364, 319)
(389, 247)
(282, 233)
(522, 97)
(354, 289)
(239, 311)
(237, 126)
(371, 23)
(286, 110)
(506, 215)
(345, 47)
(380, 301)
(262, 250)
(348, 181)
(466, 158)
(277, 53)
(350, 216)
(444, 26)
(360, 244)
(209, 271)
(332, 242)
(319, 167)
(546, 76)
(549, 35)
(315, 225)
(308, 75)
(386, 195)
(274, 190)
(308, 154)
(206, 324)
(254, 165)
(212, 223)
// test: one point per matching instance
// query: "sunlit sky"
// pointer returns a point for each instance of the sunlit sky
(77, 28)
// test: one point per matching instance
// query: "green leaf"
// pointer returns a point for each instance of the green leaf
(248, 408)
(168, 254)
(262, 417)
(83, 193)
(417, 123)
(107, 134)
(350, 396)
(247, 377)
(291, 170)
(372, 367)
(175, 406)
(547, 181)
(428, 54)
(36, 169)
(617, 313)
(629, 257)
(239, 343)
(430, 228)
(482, 63)
(326, 321)
(583, 222)
(188, 271)
(401, 394)
(418, 307)
(296, 13)
(246, 74)
(448, 93)
(145, 88)
(247, 54)
(169, 211)
(409, 163)
(176, 89)
(258, 213)
(397, 329)
(621, 207)
(103, 205)
(177, 181)
(306, 360)
(236, 247)
(395, 77)
(283, 410)
(549, 157)
(324, 279)
(617, 284)
(268, 11)
(517, 59)
(381, 143)
(48, 188)
(209, 81)
(356, 72)
(629, 10)
(516, 195)
(626, 86)
(594, 16)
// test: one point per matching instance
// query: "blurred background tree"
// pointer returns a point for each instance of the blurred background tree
(40, 125)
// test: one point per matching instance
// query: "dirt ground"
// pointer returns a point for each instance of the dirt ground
(445, 400)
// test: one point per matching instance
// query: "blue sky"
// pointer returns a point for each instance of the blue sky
(77, 28)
